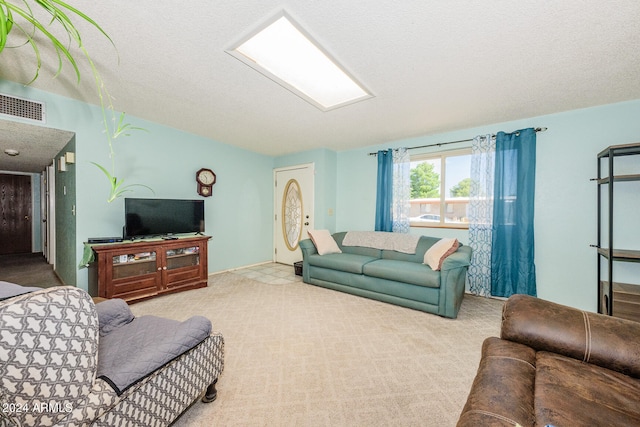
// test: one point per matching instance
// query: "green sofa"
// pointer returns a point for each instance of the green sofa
(390, 276)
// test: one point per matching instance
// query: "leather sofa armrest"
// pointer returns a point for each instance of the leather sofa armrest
(594, 338)
(502, 391)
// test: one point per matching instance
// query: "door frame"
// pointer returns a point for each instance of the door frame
(277, 208)
(50, 207)
(33, 214)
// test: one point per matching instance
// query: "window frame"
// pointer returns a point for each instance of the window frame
(441, 156)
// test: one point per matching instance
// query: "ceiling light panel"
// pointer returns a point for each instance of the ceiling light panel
(282, 51)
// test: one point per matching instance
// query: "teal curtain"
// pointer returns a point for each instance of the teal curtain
(384, 195)
(512, 256)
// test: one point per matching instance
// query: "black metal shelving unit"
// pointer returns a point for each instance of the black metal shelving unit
(615, 299)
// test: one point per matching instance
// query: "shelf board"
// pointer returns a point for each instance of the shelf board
(626, 300)
(620, 178)
(621, 254)
(134, 261)
(626, 292)
(620, 150)
(182, 255)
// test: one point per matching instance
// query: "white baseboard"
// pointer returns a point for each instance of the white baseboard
(239, 268)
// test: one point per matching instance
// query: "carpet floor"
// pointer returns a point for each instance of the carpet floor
(28, 270)
(301, 355)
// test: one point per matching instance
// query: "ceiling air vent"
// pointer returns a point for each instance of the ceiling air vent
(23, 108)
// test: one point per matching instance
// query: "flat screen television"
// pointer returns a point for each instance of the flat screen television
(162, 217)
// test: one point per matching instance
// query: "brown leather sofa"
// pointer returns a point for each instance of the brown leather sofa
(559, 366)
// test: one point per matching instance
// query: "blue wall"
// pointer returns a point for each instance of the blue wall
(239, 215)
(565, 221)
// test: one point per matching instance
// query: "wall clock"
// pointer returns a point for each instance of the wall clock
(205, 179)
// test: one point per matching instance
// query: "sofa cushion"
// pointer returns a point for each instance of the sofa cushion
(133, 351)
(403, 271)
(571, 392)
(324, 242)
(424, 243)
(385, 240)
(10, 290)
(358, 250)
(112, 314)
(350, 263)
(437, 253)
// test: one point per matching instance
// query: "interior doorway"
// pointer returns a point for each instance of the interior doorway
(16, 214)
(53, 192)
(294, 202)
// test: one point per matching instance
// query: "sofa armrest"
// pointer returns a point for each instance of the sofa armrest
(308, 248)
(501, 394)
(50, 349)
(453, 275)
(460, 258)
(602, 340)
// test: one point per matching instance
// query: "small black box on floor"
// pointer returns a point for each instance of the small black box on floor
(297, 267)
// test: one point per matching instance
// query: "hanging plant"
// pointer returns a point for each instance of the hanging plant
(60, 13)
(29, 26)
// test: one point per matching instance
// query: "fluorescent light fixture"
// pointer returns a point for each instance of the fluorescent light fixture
(282, 51)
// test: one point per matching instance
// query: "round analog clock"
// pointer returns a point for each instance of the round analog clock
(205, 179)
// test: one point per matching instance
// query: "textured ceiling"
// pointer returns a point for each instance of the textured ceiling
(433, 66)
(37, 146)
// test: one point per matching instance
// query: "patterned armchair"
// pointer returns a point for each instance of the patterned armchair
(49, 344)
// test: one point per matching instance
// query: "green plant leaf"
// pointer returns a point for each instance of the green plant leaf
(117, 190)
(124, 128)
(61, 49)
(60, 12)
(83, 16)
(63, 14)
(6, 23)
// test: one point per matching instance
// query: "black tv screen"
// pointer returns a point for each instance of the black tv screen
(160, 217)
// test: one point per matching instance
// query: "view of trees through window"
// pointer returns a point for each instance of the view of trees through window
(440, 188)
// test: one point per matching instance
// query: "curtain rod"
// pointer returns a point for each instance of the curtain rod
(493, 136)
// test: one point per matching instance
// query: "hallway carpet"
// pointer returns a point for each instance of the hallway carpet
(28, 270)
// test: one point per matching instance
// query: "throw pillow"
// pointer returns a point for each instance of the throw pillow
(324, 242)
(436, 254)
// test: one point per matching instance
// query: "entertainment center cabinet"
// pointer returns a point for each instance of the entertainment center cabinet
(140, 270)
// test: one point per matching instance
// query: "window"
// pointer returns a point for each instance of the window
(440, 186)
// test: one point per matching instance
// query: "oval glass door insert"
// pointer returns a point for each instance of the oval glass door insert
(292, 214)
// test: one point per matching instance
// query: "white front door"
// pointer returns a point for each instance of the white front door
(293, 211)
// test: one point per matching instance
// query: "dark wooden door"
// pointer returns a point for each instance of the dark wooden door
(15, 214)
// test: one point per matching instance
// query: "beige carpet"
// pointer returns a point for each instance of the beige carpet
(300, 355)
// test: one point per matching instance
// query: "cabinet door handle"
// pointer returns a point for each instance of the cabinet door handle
(164, 268)
(159, 268)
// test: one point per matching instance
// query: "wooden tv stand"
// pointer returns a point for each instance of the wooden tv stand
(135, 271)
